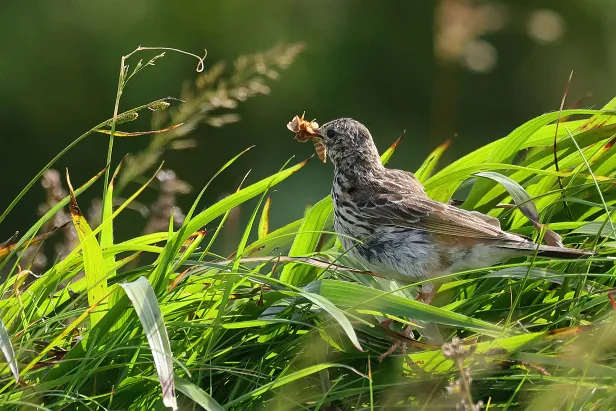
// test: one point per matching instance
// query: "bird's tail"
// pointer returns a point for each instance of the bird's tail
(528, 247)
(562, 252)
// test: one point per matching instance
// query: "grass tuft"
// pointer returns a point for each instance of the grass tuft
(285, 323)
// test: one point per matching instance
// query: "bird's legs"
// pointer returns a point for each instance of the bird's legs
(427, 294)
(398, 343)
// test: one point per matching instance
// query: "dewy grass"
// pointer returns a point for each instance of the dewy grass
(254, 331)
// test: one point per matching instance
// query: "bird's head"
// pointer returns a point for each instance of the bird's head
(346, 142)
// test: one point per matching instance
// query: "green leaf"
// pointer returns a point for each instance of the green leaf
(443, 187)
(142, 296)
(320, 301)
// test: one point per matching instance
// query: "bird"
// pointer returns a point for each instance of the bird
(385, 220)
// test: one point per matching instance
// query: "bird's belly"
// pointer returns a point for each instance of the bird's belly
(400, 254)
(480, 256)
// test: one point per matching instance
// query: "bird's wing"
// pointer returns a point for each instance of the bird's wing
(415, 210)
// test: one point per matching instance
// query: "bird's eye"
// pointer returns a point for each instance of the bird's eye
(331, 133)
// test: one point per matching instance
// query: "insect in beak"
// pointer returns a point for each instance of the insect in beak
(308, 130)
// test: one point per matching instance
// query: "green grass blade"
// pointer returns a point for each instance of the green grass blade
(596, 228)
(7, 349)
(426, 170)
(93, 263)
(144, 300)
(519, 195)
(106, 239)
(59, 155)
(318, 218)
(235, 199)
(500, 150)
(390, 151)
(275, 241)
(359, 297)
(197, 395)
(195, 223)
(281, 381)
(263, 228)
(435, 362)
(47, 216)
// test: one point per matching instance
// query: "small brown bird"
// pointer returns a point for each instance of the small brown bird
(386, 221)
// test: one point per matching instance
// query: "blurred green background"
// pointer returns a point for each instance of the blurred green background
(437, 69)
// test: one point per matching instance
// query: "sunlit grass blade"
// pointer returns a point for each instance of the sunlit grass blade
(106, 237)
(48, 215)
(390, 151)
(44, 286)
(337, 314)
(197, 395)
(426, 170)
(57, 340)
(263, 228)
(525, 204)
(318, 218)
(444, 186)
(500, 150)
(596, 228)
(608, 221)
(94, 266)
(359, 297)
(7, 349)
(499, 348)
(229, 281)
(543, 159)
(175, 241)
(274, 242)
(245, 194)
(144, 300)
